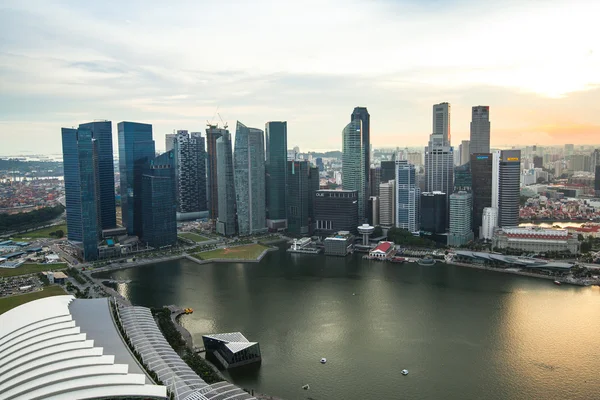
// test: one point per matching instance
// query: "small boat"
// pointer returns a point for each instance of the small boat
(306, 387)
(557, 283)
(404, 372)
(323, 360)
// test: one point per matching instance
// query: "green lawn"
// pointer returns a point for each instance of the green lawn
(29, 268)
(41, 233)
(6, 303)
(247, 252)
(194, 237)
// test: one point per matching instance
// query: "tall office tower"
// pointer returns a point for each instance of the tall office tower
(170, 141)
(226, 204)
(374, 181)
(388, 171)
(596, 180)
(461, 206)
(276, 168)
(298, 191)
(213, 132)
(136, 148)
(433, 212)
(353, 172)
(80, 160)
(190, 174)
(569, 149)
(387, 204)
(336, 210)
(441, 122)
(480, 130)
(465, 152)
(538, 162)
(506, 186)
(249, 173)
(374, 207)
(415, 158)
(314, 181)
(490, 222)
(102, 134)
(481, 183)
(462, 178)
(439, 166)
(159, 203)
(361, 114)
(407, 197)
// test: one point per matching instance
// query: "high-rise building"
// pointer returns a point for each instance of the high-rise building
(387, 204)
(538, 162)
(441, 122)
(226, 202)
(336, 210)
(594, 160)
(374, 207)
(82, 193)
(506, 179)
(298, 191)
(102, 134)
(462, 178)
(353, 173)
(569, 149)
(388, 171)
(276, 168)
(159, 203)
(480, 130)
(439, 166)
(415, 158)
(580, 162)
(213, 132)
(481, 183)
(319, 163)
(190, 174)
(461, 206)
(433, 212)
(313, 185)
(464, 151)
(375, 180)
(170, 141)
(249, 173)
(490, 222)
(361, 114)
(597, 180)
(136, 148)
(407, 197)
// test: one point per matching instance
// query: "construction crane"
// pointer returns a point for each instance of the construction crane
(212, 120)
(224, 123)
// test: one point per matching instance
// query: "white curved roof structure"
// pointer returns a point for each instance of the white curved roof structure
(66, 348)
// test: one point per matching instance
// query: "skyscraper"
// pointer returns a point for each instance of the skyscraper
(170, 141)
(388, 171)
(433, 211)
(506, 186)
(336, 210)
(159, 225)
(313, 185)
(213, 132)
(480, 130)
(276, 168)
(387, 204)
(353, 172)
(249, 173)
(136, 148)
(361, 114)
(374, 181)
(407, 197)
(441, 122)
(464, 151)
(461, 206)
(462, 178)
(597, 180)
(481, 181)
(439, 166)
(102, 134)
(80, 160)
(298, 191)
(190, 173)
(226, 204)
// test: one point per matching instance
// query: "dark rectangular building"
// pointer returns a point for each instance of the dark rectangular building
(297, 191)
(462, 178)
(433, 212)
(597, 180)
(538, 162)
(388, 171)
(509, 186)
(481, 176)
(336, 210)
(276, 167)
(313, 185)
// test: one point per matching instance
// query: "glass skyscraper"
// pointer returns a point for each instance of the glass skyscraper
(276, 168)
(80, 160)
(136, 148)
(249, 173)
(298, 201)
(159, 225)
(361, 114)
(407, 197)
(353, 173)
(102, 134)
(226, 222)
(480, 130)
(190, 172)
(213, 133)
(481, 183)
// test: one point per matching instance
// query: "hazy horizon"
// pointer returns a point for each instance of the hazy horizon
(309, 63)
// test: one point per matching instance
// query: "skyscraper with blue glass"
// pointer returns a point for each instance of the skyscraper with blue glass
(82, 189)
(226, 222)
(276, 168)
(407, 197)
(353, 167)
(136, 148)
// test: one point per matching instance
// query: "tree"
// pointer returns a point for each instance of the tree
(586, 246)
(580, 237)
(378, 232)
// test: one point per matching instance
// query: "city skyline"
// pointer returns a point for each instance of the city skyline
(541, 84)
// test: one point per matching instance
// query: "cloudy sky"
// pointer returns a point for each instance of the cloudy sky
(174, 63)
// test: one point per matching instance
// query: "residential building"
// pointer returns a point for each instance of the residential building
(213, 133)
(538, 162)
(82, 187)
(249, 174)
(136, 148)
(506, 176)
(461, 231)
(580, 162)
(407, 197)
(159, 205)
(361, 114)
(226, 221)
(481, 175)
(276, 169)
(464, 151)
(489, 224)
(298, 197)
(433, 209)
(336, 210)
(353, 173)
(480, 130)
(535, 240)
(387, 204)
(190, 174)
(102, 134)
(569, 149)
